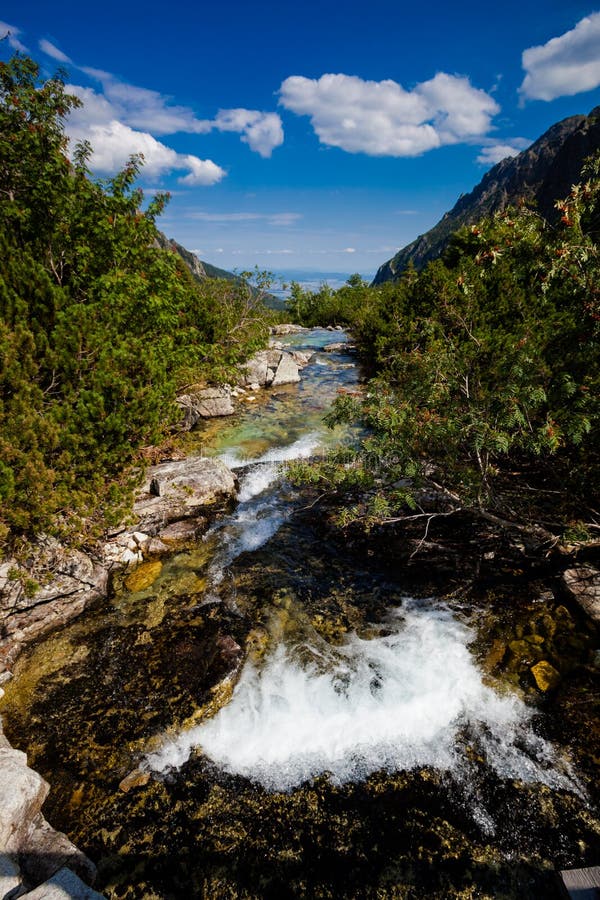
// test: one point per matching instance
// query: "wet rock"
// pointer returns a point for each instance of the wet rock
(135, 779)
(187, 487)
(206, 403)
(64, 884)
(182, 532)
(495, 655)
(545, 675)
(339, 347)
(229, 651)
(583, 585)
(144, 576)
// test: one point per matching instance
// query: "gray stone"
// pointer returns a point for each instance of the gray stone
(339, 347)
(156, 547)
(23, 792)
(47, 850)
(181, 532)
(583, 585)
(254, 372)
(287, 371)
(288, 329)
(271, 367)
(187, 487)
(64, 885)
(302, 357)
(206, 403)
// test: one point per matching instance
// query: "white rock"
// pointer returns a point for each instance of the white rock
(287, 371)
(23, 792)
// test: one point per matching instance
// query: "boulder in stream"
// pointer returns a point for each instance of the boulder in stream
(271, 366)
(182, 489)
(288, 328)
(31, 851)
(205, 403)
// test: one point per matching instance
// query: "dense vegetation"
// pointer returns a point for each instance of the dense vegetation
(486, 372)
(99, 326)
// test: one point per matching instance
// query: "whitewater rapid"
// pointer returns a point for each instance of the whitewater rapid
(409, 698)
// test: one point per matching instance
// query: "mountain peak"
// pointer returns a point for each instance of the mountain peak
(541, 174)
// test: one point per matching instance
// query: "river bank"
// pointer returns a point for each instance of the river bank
(304, 717)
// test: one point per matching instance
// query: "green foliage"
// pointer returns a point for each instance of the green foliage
(327, 306)
(99, 326)
(488, 360)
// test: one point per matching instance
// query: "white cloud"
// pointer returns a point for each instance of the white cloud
(261, 131)
(145, 109)
(113, 143)
(349, 250)
(203, 172)
(151, 111)
(494, 152)
(11, 33)
(50, 50)
(565, 65)
(381, 118)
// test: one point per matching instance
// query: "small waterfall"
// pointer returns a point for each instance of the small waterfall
(260, 512)
(401, 700)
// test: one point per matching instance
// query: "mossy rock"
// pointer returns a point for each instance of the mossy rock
(535, 639)
(545, 675)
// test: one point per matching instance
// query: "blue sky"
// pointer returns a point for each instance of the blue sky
(318, 136)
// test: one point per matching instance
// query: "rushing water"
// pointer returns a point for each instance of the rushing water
(394, 702)
(364, 749)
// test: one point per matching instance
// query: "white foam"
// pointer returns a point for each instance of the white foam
(394, 702)
(257, 480)
(300, 449)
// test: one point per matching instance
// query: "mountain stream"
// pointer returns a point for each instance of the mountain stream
(300, 723)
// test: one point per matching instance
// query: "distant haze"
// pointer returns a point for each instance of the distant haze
(311, 280)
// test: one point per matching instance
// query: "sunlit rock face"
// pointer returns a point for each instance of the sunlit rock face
(541, 175)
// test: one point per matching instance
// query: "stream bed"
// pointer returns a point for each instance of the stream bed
(299, 720)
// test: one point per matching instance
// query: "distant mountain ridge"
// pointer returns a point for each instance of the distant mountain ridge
(541, 174)
(202, 270)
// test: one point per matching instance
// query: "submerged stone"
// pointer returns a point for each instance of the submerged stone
(142, 577)
(135, 779)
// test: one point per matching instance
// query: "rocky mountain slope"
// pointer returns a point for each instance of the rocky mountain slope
(541, 174)
(202, 270)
